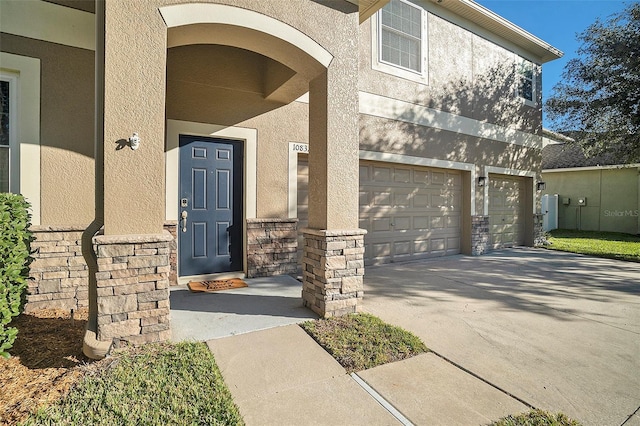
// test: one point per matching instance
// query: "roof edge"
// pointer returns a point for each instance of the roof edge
(486, 18)
(589, 168)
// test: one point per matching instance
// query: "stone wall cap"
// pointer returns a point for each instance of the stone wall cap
(334, 232)
(133, 238)
(272, 220)
(57, 228)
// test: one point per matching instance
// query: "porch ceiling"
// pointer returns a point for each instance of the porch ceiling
(226, 84)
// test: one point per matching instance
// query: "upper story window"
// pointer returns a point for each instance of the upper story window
(526, 81)
(5, 122)
(401, 35)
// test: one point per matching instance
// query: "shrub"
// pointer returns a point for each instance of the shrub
(15, 250)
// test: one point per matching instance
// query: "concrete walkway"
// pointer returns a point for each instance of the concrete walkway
(282, 377)
(557, 331)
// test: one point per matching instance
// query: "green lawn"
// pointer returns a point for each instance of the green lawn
(611, 245)
(157, 384)
(362, 341)
(536, 418)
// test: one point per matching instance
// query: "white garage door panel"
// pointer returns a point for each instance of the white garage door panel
(409, 212)
(506, 211)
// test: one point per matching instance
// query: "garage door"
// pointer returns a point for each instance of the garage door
(506, 211)
(409, 212)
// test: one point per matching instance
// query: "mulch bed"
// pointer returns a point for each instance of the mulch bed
(46, 362)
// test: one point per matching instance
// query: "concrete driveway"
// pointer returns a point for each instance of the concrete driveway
(560, 332)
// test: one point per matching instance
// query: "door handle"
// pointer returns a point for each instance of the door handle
(184, 220)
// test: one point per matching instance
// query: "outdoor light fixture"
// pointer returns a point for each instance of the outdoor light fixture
(482, 181)
(541, 186)
(134, 141)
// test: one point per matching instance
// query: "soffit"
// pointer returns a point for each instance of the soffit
(368, 7)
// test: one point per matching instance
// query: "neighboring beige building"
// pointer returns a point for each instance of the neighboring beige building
(594, 194)
(361, 132)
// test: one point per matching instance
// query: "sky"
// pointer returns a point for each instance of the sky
(557, 22)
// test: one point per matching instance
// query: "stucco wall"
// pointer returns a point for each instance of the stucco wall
(467, 74)
(201, 88)
(275, 130)
(613, 200)
(393, 136)
(66, 132)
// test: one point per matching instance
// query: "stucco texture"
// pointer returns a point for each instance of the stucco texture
(134, 96)
(466, 75)
(66, 132)
(383, 135)
(276, 129)
(238, 92)
(612, 199)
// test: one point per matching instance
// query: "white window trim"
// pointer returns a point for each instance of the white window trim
(295, 148)
(25, 153)
(534, 81)
(14, 157)
(396, 70)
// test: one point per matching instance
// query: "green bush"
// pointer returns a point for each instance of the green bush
(15, 250)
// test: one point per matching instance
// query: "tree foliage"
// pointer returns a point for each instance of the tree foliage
(598, 101)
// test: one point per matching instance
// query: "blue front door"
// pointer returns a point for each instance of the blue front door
(210, 206)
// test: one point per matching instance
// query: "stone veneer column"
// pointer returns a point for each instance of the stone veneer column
(480, 235)
(539, 238)
(333, 271)
(133, 288)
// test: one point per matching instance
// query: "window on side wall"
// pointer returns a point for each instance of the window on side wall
(399, 40)
(526, 81)
(5, 132)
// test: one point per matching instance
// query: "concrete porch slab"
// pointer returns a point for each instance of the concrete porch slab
(266, 302)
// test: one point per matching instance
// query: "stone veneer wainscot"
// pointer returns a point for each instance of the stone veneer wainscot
(272, 247)
(59, 273)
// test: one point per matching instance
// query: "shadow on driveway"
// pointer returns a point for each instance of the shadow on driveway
(558, 330)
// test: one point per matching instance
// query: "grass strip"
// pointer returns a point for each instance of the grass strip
(536, 418)
(362, 341)
(611, 245)
(157, 384)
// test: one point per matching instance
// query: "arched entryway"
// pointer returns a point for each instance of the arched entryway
(220, 65)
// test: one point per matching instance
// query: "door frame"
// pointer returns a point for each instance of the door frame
(249, 137)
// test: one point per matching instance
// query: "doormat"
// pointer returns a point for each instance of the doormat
(215, 285)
